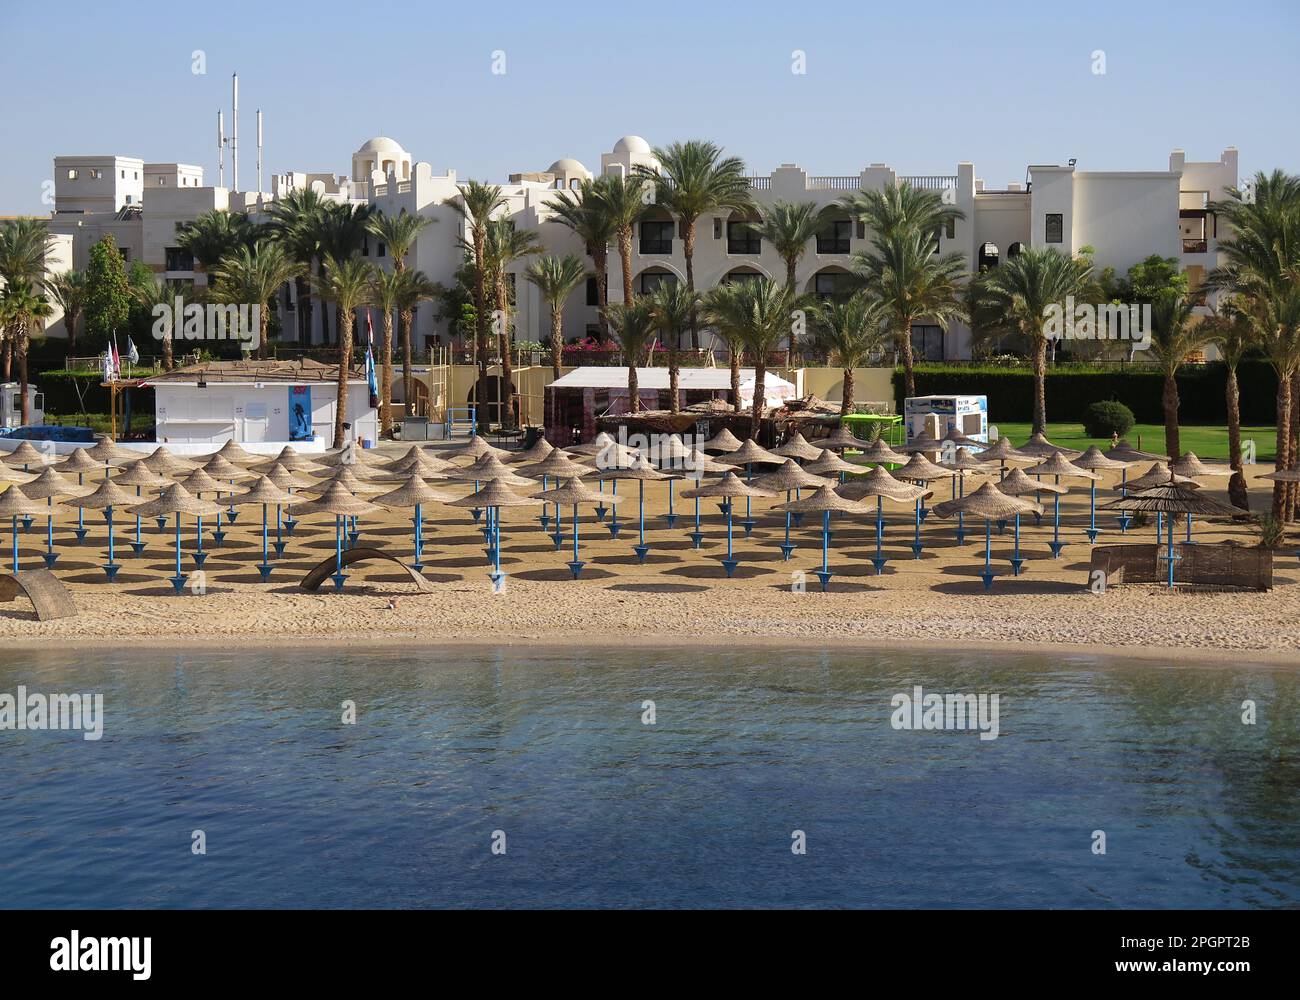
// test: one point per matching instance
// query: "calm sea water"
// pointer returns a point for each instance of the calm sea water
(599, 809)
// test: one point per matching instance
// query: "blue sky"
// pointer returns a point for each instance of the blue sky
(918, 86)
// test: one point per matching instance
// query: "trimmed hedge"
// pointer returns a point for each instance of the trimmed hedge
(1070, 391)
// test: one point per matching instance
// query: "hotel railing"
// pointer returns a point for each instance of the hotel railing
(930, 182)
(834, 183)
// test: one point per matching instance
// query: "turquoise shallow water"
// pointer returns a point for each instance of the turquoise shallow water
(599, 809)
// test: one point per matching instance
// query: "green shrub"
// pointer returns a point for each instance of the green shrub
(1269, 530)
(1107, 417)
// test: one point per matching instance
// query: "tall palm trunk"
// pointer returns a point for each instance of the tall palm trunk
(1283, 460)
(846, 395)
(760, 396)
(302, 296)
(600, 263)
(9, 357)
(688, 251)
(633, 386)
(1237, 484)
(674, 373)
(557, 339)
(791, 266)
(1293, 452)
(480, 324)
(263, 328)
(625, 257)
(1169, 400)
(70, 321)
(735, 378)
(507, 362)
(406, 318)
(20, 348)
(1040, 383)
(168, 350)
(386, 385)
(345, 364)
(909, 374)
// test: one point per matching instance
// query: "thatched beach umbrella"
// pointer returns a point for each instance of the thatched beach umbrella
(47, 486)
(540, 449)
(572, 491)
(14, 503)
(277, 475)
(880, 484)
(956, 439)
(25, 457)
(1126, 453)
(289, 459)
(1193, 468)
(232, 452)
(264, 492)
(924, 443)
(477, 448)
(669, 454)
(350, 478)
(723, 441)
(963, 463)
(799, 448)
(1002, 451)
(220, 467)
(1056, 466)
(600, 441)
(1170, 499)
(696, 468)
(1094, 461)
(106, 497)
(880, 453)
(163, 462)
(80, 463)
(197, 483)
(492, 497)
(730, 487)
(788, 478)
(106, 452)
(415, 492)
(340, 502)
(920, 469)
(1039, 447)
(483, 470)
(988, 504)
(140, 476)
(175, 501)
(829, 464)
(824, 501)
(557, 465)
(750, 454)
(416, 462)
(1017, 484)
(642, 472)
(840, 439)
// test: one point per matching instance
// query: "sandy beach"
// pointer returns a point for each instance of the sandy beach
(680, 595)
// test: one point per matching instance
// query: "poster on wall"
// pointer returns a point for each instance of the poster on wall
(300, 413)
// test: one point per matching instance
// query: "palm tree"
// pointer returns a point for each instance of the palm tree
(162, 293)
(759, 314)
(506, 247)
(298, 223)
(215, 234)
(1231, 331)
(556, 278)
(1176, 332)
(343, 236)
(68, 290)
(477, 203)
(413, 287)
(633, 324)
(674, 307)
(694, 180)
(24, 307)
(851, 332)
(621, 200)
(24, 245)
(346, 283)
(912, 282)
(399, 233)
(255, 276)
(901, 208)
(385, 292)
(584, 213)
(1262, 270)
(788, 226)
(1014, 298)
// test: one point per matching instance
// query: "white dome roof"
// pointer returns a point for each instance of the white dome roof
(567, 165)
(381, 144)
(631, 144)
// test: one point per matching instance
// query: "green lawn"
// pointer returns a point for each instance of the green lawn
(1207, 442)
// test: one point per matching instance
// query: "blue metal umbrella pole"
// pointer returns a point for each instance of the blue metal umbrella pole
(601, 509)
(110, 567)
(1171, 558)
(575, 567)
(496, 576)
(730, 563)
(1189, 529)
(1015, 560)
(641, 548)
(218, 536)
(1093, 531)
(696, 536)
(1125, 518)
(178, 581)
(339, 576)
(50, 557)
(13, 531)
(916, 537)
(1056, 544)
(138, 545)
(749, 522)
(796, 519)
(265, 567)
(824, 574)
(477, 512)
(959, 485)
(231, 513)
(671, 516)
(544, 519)
(280, 531)
(418, 566)
(199, 556)
(613, 525)
(488, 535)
(787, 547)
(925, 511)
(879, 560)
(81, 511)
(987, 575)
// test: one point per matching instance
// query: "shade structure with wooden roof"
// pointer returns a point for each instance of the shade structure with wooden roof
(339, 501)
(494, 495)
(987, 503)
(642, 471)
(798, 447)
(882, 485)
(723, 441)
(414, 492)
(1169, 499)
(14, 503)
(571, 492)
(265, 491)
(729, 486)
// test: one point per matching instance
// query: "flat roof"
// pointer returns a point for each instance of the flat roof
(603, 377)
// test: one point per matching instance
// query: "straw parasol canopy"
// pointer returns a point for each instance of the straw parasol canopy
(199, 482)
(1193, 468)
(956, 437)
(613, 456)
(828, 464)
(574, 491)
(1125, 452)
(988, 503)
(476, 449)
(879, 483)
(536, 453)
(263, 491)
(344, 476)
(337, 500)
(841, 438)
(920, 469)
(283, 478)
(362, 459)
(790, 477)
(1002, 450)
(414, 491)
(966, 462)
(1157, 475)
(8, 475)
(495, 493)
(700, 464)
(670, 450)
(220, 467)
(724, 440)
(601, 440)
(416, 462)
(556, 465)
(822, 499)
(730, 485)
(640, 469)
(1174, 498)
(176, 499)
(797, 447)
(289, 459)
(105, 450)
(1039, 447)
(923, 443)
(51, 484)
(79, 463)
(878, 452)
(139, 474)
(1015, 483)
(486, 470)
(165, 463)
(1058, 465)
(750, 453)
(1094, 461)
(232, 452)
(107, 494)
(1282, 476)
(25, 454)
(15, 503)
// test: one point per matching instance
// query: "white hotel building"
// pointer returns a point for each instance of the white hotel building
(1124, 216)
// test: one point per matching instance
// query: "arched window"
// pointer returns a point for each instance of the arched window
(988, 257)
(1014, 250)
(741, 237)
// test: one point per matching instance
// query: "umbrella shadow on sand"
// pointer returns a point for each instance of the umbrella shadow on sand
(561, 573)
(658, 588)
(1003, 584)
